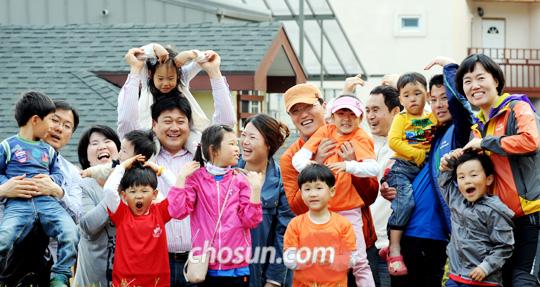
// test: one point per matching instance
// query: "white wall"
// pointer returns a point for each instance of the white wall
(534, 34)
(370, 24)
(519, 32)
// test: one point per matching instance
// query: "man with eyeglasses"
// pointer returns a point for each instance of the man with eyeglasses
(306, 107)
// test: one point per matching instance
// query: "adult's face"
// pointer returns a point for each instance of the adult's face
(439, 104)
(254, 148)
(307, 118)
(172, 130)
(60, 132)
(379, 118)
(101, 149)
(480, 87)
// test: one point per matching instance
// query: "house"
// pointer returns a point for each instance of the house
(83, 63)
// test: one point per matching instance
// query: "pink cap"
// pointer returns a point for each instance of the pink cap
(350, 103)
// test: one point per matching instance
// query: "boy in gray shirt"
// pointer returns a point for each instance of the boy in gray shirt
(482, 237)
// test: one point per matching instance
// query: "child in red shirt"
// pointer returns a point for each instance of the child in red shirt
(141, 257)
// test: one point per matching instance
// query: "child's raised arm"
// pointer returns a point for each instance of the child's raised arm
(182, 196)
(112, 198)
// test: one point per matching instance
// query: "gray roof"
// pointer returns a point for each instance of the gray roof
(61, 60)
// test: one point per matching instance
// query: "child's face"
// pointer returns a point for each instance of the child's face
(472, 180)
(316, 194)
(413, 98)
(346, 121)
(41, 126)
(139, 198)
(229, 152)
(165, 78)
(126, 151)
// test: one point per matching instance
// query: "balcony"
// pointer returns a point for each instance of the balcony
(521, 68)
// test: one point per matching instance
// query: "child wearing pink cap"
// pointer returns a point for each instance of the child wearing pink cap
(345, 131)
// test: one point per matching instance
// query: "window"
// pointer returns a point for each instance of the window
(253, 107)
(410, 22)
(410, 25)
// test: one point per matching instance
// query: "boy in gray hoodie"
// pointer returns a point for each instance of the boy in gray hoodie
(482, 238)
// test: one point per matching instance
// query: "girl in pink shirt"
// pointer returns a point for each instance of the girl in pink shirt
(210, 187)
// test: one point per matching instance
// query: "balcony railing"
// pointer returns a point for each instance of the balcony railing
(521, 68)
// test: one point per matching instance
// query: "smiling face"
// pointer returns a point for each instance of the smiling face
(172, 130)
(254, 148)
(165, 78)
(480, 87)
(228, 153)
(413, 98)
(307, 118)
(472, 180)
(100, 149)
(139, 198)
(439, 104)
(346, 121)
(316, 194)
(59, 134)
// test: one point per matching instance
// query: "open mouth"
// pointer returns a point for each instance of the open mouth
(307, 122)
(470, 190)
(55, 137)
(104, 155)
(139, 205)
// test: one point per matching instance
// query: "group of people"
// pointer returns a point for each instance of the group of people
(173, 199)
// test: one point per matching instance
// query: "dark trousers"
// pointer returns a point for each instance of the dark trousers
(519, 270)
(425, 260)
(379, 268)
(177, 262)
(211, 281)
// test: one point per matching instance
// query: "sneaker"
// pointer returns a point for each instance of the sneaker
(59, 281)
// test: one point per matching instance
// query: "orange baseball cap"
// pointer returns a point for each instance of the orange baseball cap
(301, 93)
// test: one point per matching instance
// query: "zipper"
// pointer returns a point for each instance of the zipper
(219, 226)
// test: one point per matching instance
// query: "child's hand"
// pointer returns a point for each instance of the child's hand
(477, 274)
(337, 166)
(439, 61)
(188, 170)
(185, 56)
(211, 66)
(128, 163)
(346, 151)
(153, 166)
(86, 173)
(161, 54)
(445, 160)
(351, 83)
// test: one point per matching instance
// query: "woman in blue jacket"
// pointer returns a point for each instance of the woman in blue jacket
(261, 138)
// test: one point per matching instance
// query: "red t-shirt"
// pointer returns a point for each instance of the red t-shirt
(141, 257)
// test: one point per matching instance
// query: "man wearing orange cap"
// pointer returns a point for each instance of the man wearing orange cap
(306, 108)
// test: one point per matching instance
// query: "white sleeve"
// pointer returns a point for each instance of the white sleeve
(112, 199)
(149, 50)
(365, 168)
(301, 159)
(289, 258)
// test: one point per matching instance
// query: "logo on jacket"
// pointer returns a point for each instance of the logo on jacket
(157, 231)
(20, 155)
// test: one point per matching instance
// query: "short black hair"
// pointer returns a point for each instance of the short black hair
(138, 175)
(390, 95)
(171, 103)
(468, 65)
(316, 172)
(31, 104)
(484, 160)
(63, 105)
(85, 141)
(143, 142)
(412, 77)
(437, 80)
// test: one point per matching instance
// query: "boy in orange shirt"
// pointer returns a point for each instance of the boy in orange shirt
(347, 113)
(319, 242)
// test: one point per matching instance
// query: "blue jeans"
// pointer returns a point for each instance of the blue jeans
(19, 216)
(379, 268)
(401, 176)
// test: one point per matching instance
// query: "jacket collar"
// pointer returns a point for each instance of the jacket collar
(500, 106)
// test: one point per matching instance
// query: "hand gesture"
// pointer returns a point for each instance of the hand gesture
(389, 193)
(132, 59)
(325, 149)
(351, 83)
(440, 61)
(18, 187)
(188, 170)
(346, 151)
(161, 54)
(337, 166)
(86, 173)
(474, 145)
(445, 160)
(212, 65)
(128, 163)
(477, 274)
(390, 80)
(255, 180)
(45, 186)
(185, 56)
(152, 165)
